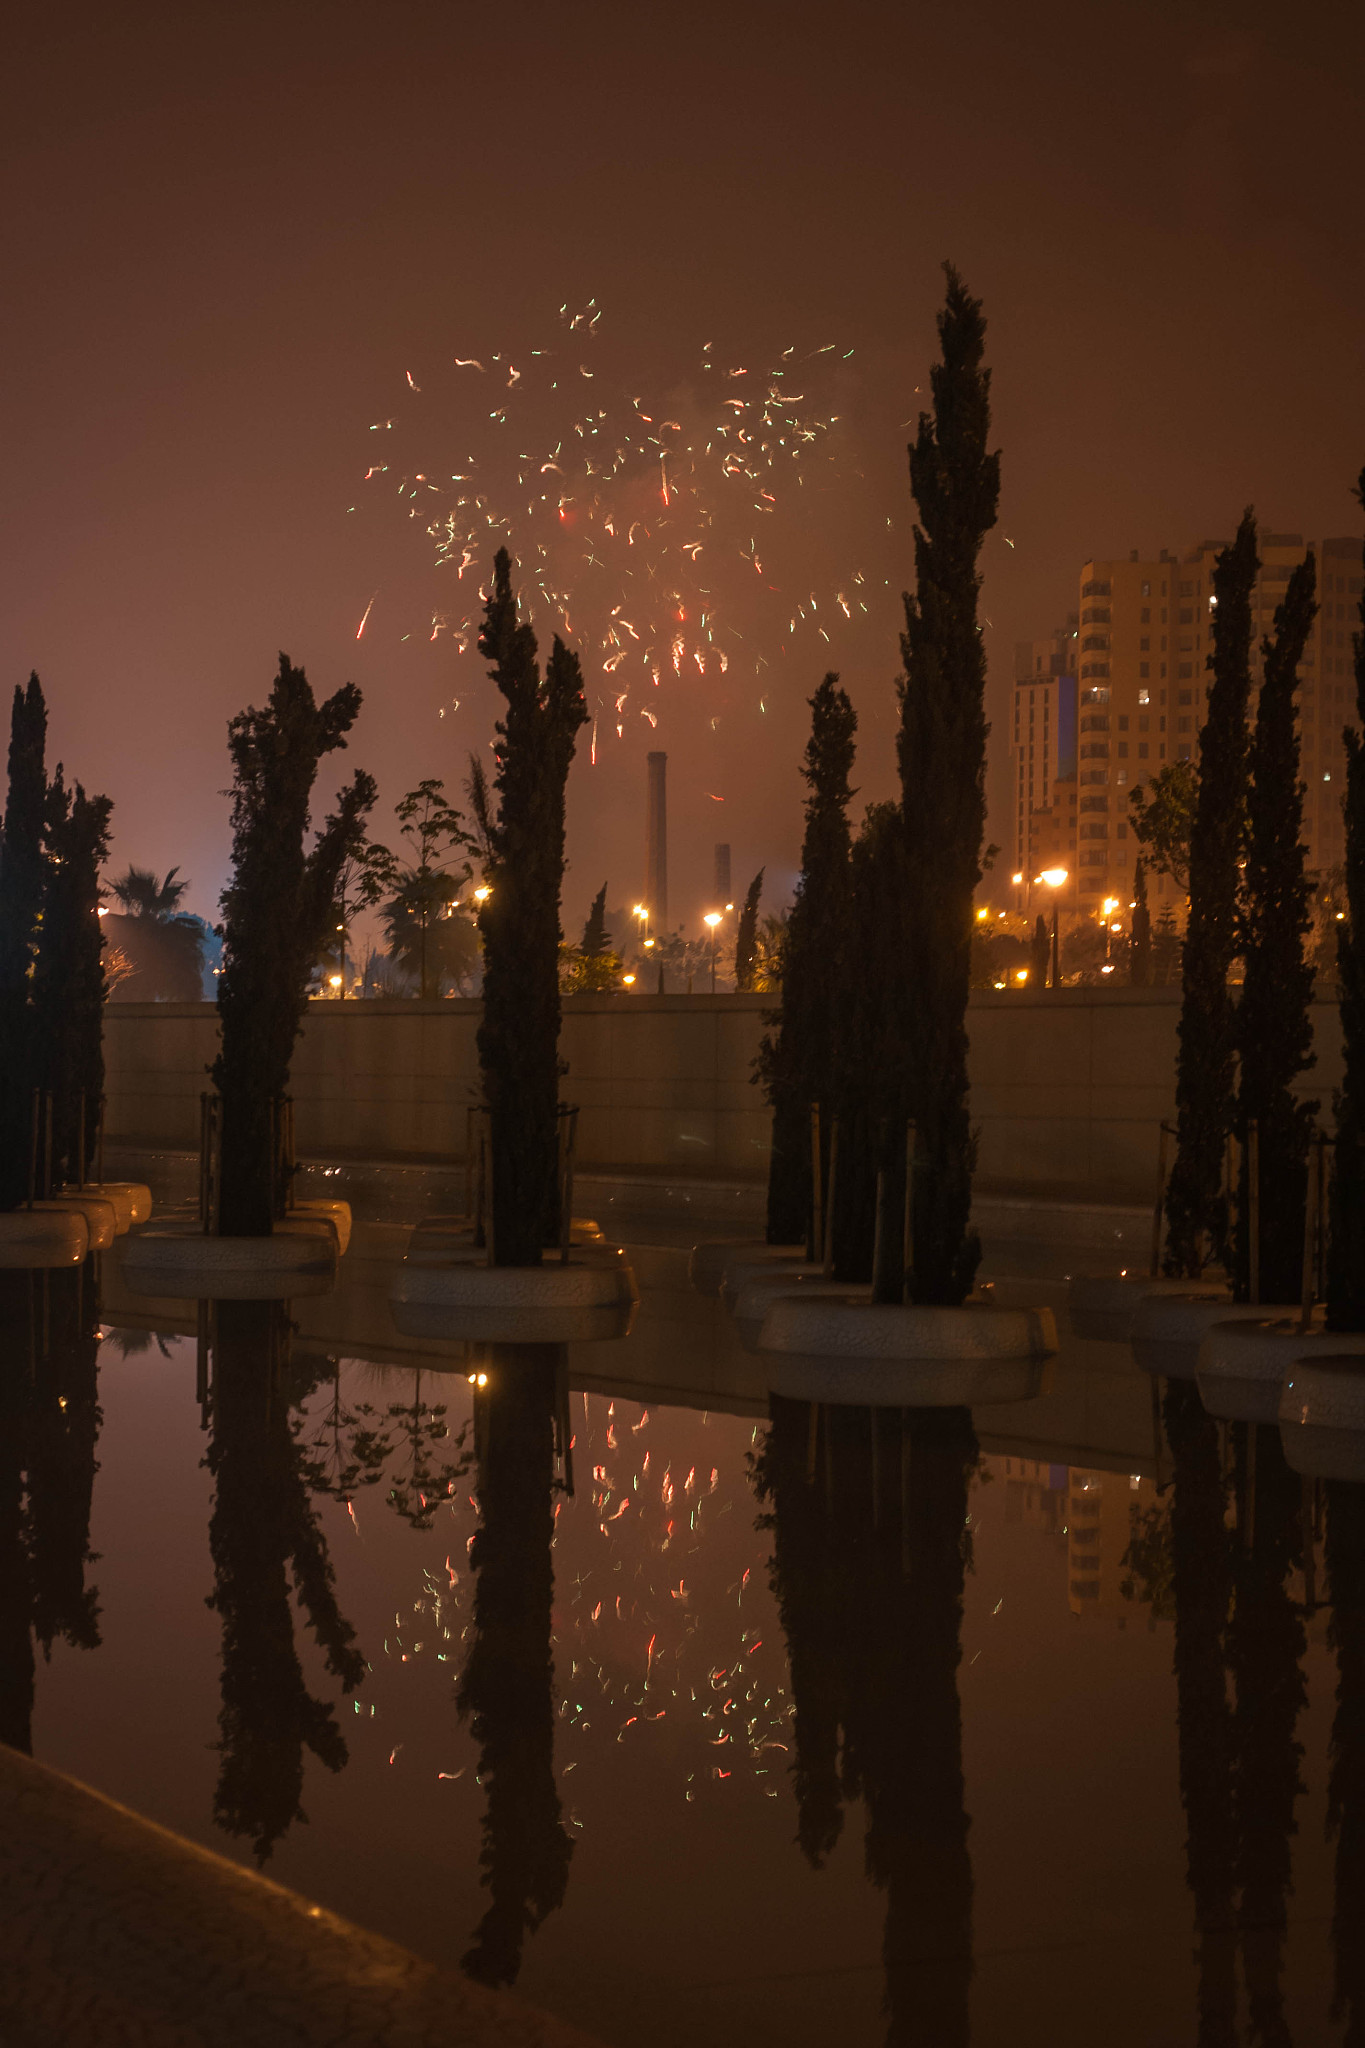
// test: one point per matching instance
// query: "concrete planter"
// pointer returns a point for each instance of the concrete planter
(1103, 1305)
(706, 1269)
(756, 1297)
(1169, 1329)
(1322, 1411)
(590, 1299)
(841, 1349)
(1241, 1366)
(749, 1267)
(324, 1210)
(132, 1202)
(43, 1237)
(101, 1216)
(439, 1240)
(186, 1265)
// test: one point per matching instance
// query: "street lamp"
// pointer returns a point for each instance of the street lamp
(713, 918)
(1055, 879)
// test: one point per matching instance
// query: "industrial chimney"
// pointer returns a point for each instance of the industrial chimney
(722, 877)
(656, 842)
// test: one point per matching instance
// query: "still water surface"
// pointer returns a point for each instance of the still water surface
(927, 1728)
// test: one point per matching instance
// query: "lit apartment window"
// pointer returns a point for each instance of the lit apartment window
(1144, 696)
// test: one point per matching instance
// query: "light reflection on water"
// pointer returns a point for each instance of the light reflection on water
(1024, 1739)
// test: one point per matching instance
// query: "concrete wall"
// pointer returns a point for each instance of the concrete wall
(1067, 1089)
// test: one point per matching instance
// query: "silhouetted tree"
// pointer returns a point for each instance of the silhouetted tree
(1266, 1645)
(1346, 1244)
(275, 913)
(941, 749)
(593, 967)
(68, 977)
(746, 937)
(870, 1552)
(1163, 817)
(507, 1686)
(1196, 1206)
(519, 919)
(1140, 936)
(1345, 1529)
(263, 1533)
(49, 1430)
(426, 932)
(798, 1061)
(596, 938)
(22, 875)
(1202, 1584)
(1039, 953)
(1274, 1022)
(164, 945)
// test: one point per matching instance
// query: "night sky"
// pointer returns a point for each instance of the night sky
(232, 233)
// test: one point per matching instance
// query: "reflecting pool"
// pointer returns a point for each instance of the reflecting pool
(586, 1669)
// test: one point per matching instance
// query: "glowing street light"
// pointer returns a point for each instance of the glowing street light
(713, 919)
(1054, 878)
(482, 895)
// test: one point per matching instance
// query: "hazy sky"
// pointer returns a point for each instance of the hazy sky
(230, 234)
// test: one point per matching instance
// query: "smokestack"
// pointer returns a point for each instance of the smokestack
(722, 876)
(656, 842)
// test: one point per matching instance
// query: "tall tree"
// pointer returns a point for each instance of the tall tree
(263, 1533)
(942, 755)
(163, 944)
(593, 967)
(797, 1062)
(22, 876)
(507, 1687)
(275, 912)
(1196, 1206)
(596, 938)
(1140, 931)
(746, 937)
(1202, 1584)
(867, 1091)
(1346, 1244)
(68, 977)
(1345, 1531)
(426, 887)
(1274, 1022)
(1039, 953)
(1163, 820)
(519, 919)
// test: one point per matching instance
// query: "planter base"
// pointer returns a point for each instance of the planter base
(42, 1238)
(1169, 1329)
(441, 1240)
(861, 1353)
(1103, 1305)
(1241, 1367)
(1322, 1410)
(590, 1298)
(336, 1214)
(756, 1297)
(301, 1258)
(101, 1217)
(132, 1201)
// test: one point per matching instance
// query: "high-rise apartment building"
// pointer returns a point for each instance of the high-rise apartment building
(1143, 635)
(1043, 734)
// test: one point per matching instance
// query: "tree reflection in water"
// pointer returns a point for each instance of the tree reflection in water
(868, 1510)
(49, 1428)
(263, 1532)
(1345, 1526)
(507, 1686)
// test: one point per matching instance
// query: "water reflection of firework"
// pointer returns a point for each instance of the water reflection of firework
(683, 540)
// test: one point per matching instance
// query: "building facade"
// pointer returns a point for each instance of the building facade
(1141, 646)
(1043, 737)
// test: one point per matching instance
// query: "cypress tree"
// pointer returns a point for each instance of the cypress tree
(507, 1688)
(1346, 1246)
(1274, 1026)
(595, 939)
(22, 875)
(1196, 1206)
(68, 979)
(942, 756)
(1039, 951)
(1345, 1558)
(519, 1033)
(798, 1059)
(275, 915)
(1140, 936)
(746, 937)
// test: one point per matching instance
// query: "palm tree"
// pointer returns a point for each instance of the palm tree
(163, 944)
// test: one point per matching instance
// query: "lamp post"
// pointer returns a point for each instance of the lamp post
(712, 918)
(1056, 879)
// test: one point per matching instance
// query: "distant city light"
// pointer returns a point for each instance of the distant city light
(1021, 974)
(629, 980)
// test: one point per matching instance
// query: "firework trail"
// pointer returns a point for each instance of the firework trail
(681, 541)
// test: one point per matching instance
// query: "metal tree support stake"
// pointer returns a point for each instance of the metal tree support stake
(817, 1242)
(1254, 1209)
(827, 1251)
(908, 1214)
(1158, 1211)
